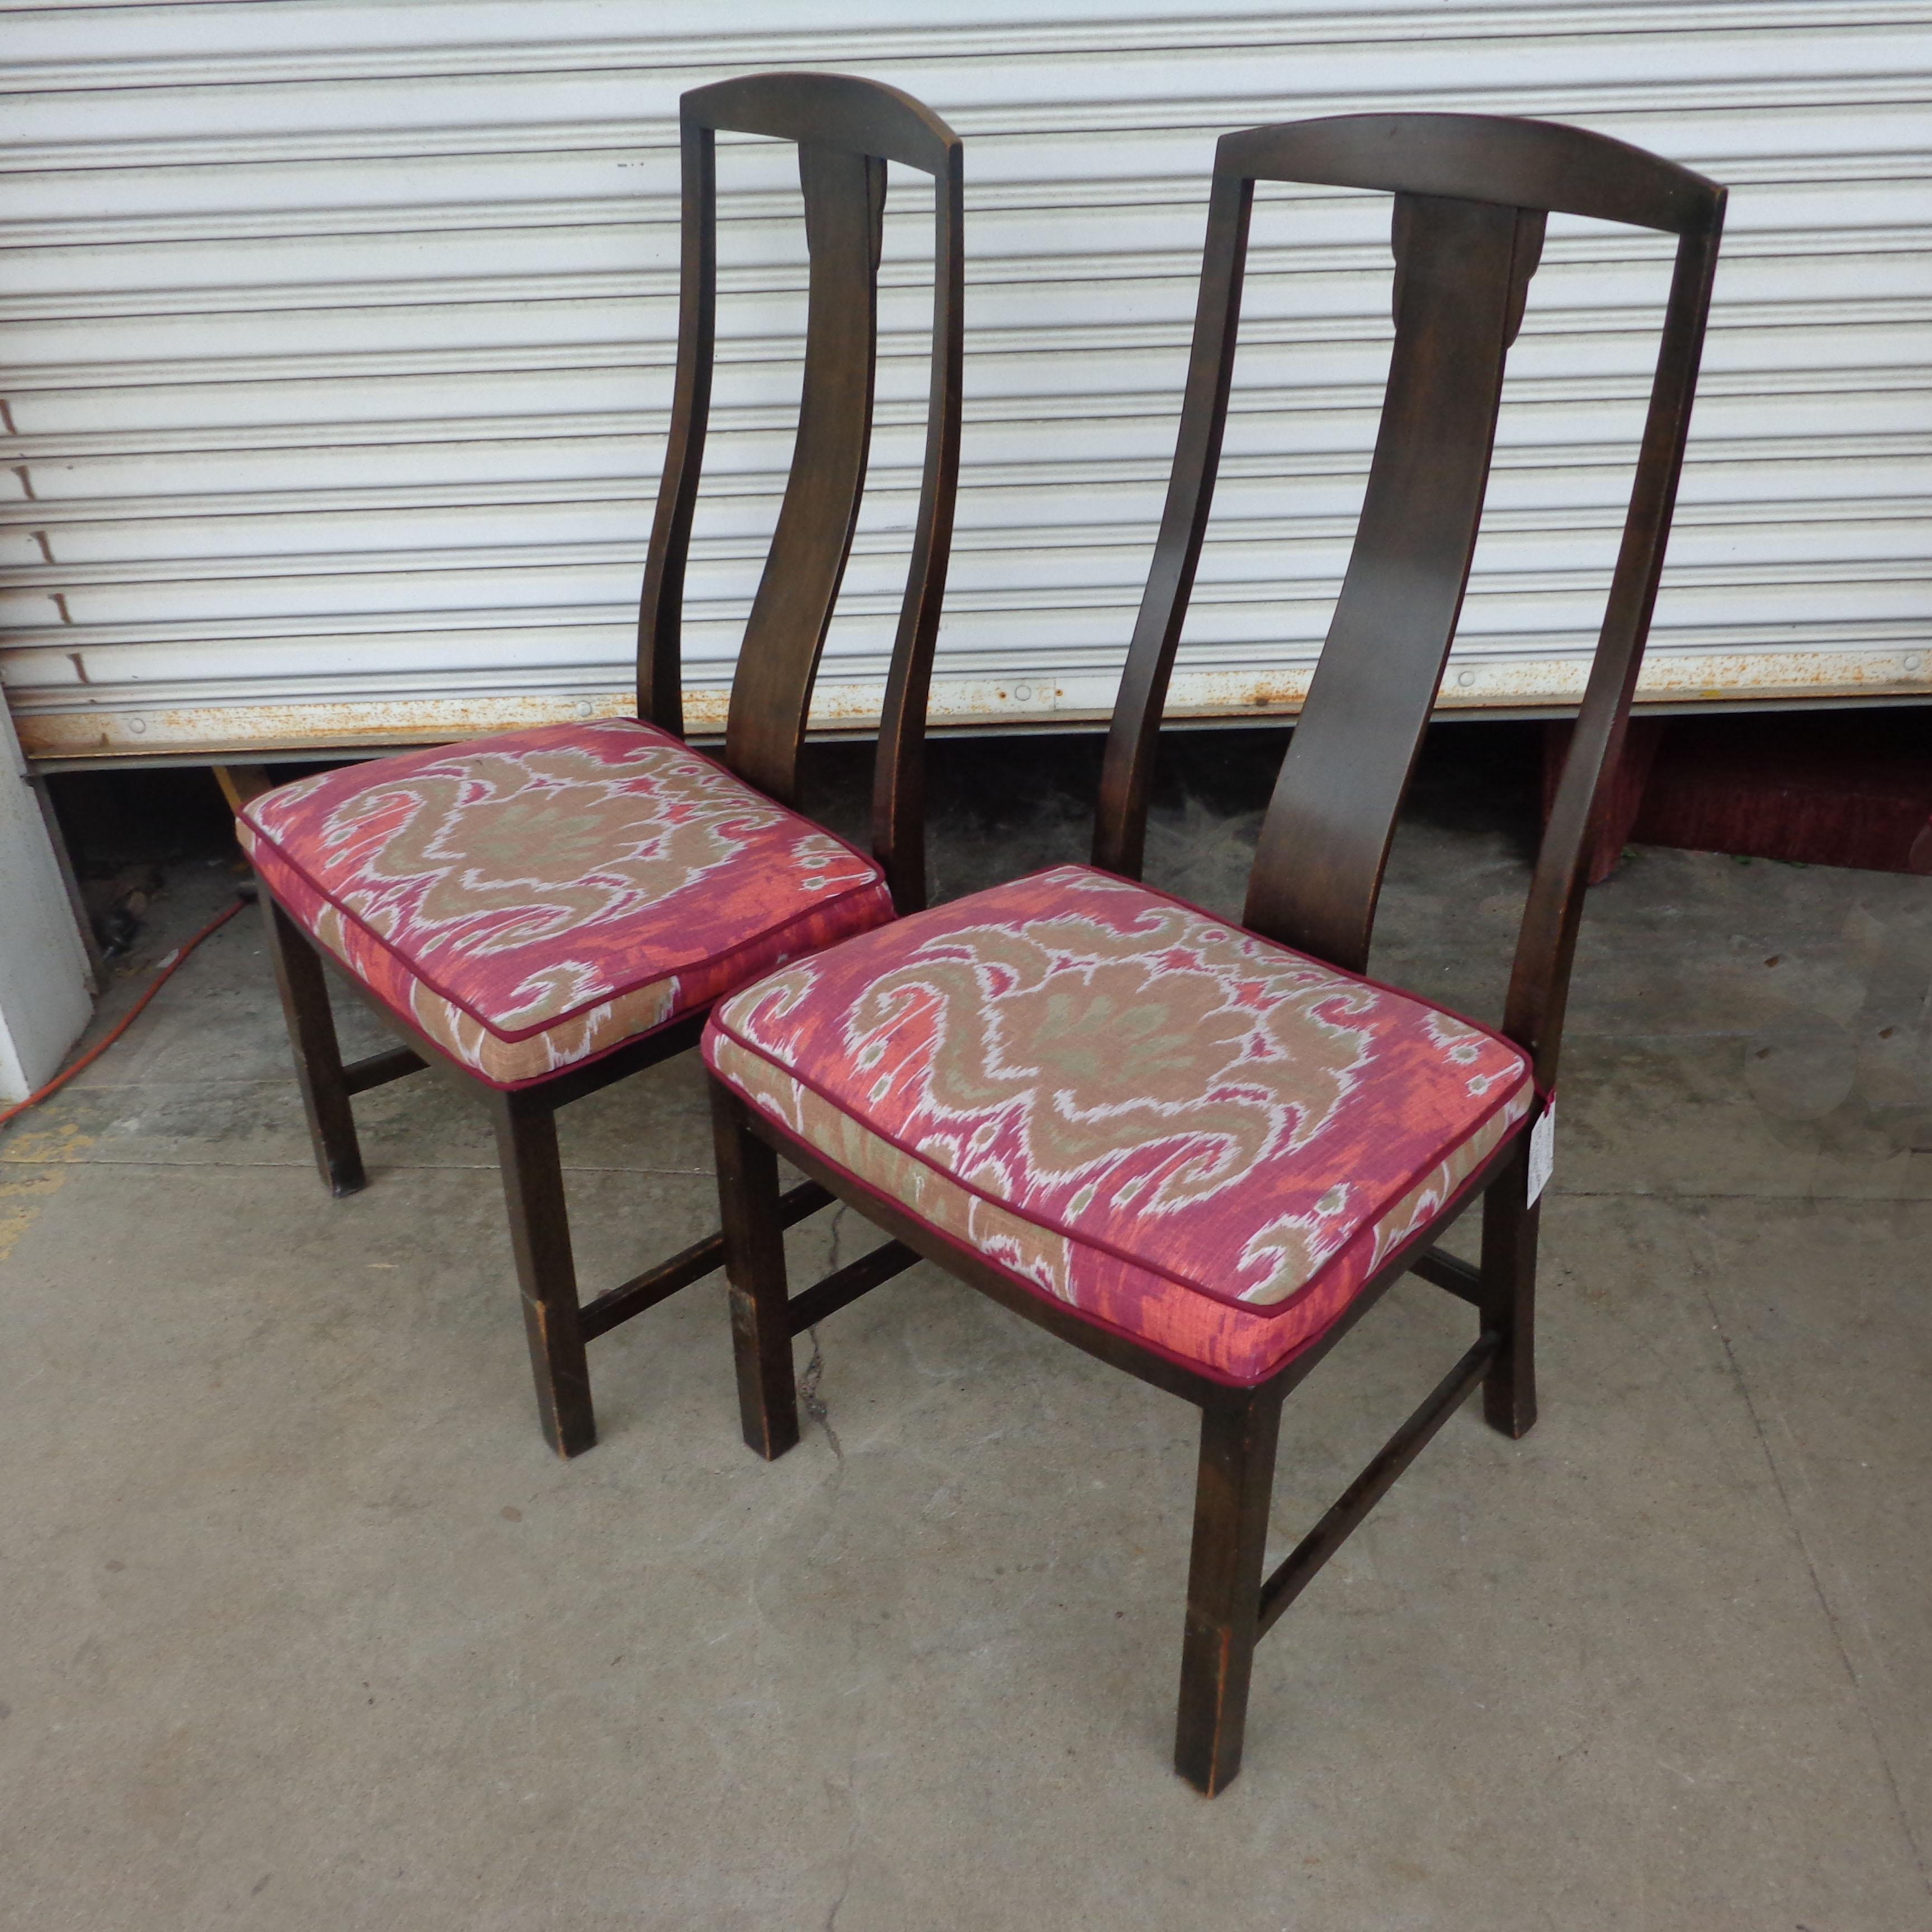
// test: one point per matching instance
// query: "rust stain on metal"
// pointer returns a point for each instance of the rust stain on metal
(26, 482)
(54, 727)
(60, 605)
(47, 549)
(842, 703)
(79, 669)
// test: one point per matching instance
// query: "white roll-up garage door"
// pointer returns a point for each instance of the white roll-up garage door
(338, 350)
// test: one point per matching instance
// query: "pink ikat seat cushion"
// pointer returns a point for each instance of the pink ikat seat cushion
(1189, 1134)
(533, 901)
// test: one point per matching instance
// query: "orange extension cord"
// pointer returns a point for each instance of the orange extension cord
(167, 967)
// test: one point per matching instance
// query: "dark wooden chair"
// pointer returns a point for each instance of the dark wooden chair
(1199, 1151)
(541, 912)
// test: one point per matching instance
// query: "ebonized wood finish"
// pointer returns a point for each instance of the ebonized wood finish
(846, 130)
(1471, 194)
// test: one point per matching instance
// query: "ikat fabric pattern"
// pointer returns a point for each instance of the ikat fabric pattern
(534, 900)
(1191, 1134)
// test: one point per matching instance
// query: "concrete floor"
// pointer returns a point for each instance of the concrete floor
(304, 1629)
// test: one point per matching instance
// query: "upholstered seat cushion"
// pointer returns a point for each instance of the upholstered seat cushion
(534, 900)
(1193, 1136)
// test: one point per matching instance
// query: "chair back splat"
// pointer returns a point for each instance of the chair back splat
(847, 130)
(1472, 196)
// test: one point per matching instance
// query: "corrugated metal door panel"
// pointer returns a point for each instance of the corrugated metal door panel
(338, 343)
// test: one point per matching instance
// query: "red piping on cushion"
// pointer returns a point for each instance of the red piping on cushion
(877, 880)
(1100, 1246)
(1192, 1364)
(410, 1025)
(1276, 1310)
(636, 985)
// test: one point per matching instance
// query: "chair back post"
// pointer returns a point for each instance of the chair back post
(1472, 194)
(898, 782)
(846, 130)
(1546, 942)
(1127, 773)
(661, 608)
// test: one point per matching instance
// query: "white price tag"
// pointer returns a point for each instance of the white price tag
(1542, 1150)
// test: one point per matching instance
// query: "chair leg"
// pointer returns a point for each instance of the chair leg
(1239, 1430)
(754, 1265)
(318, 1056)
(1509, 1297)
(540, 1234)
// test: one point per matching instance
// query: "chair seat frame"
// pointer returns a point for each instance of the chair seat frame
(1472, 193)
(846, 130)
